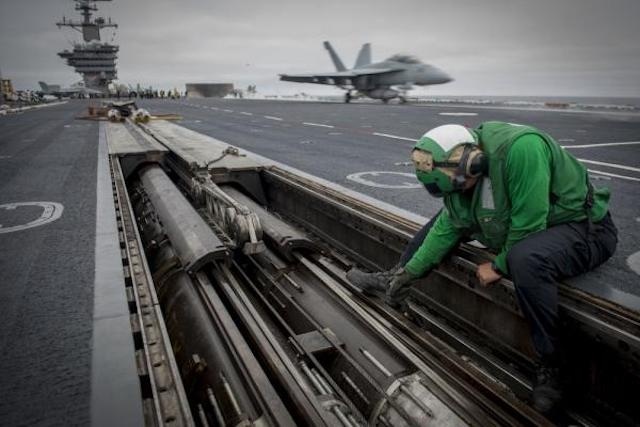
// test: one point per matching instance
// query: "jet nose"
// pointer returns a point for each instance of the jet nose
(435, 76)
(443, 77)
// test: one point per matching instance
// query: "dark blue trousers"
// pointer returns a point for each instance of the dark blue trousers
(538, 261)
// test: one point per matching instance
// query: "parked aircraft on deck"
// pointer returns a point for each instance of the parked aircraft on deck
(76, 90)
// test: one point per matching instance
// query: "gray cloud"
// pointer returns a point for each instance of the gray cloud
(501, 47)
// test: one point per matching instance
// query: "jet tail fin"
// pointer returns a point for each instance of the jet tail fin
(364, 56)
(44, 86)
(334, 57)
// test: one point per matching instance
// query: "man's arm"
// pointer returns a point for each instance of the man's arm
(440, 239)
(528, 174)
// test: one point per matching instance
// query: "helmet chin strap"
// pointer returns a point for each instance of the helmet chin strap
(433, 189)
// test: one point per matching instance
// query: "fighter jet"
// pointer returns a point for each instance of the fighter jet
(384, 80)
(75, 90)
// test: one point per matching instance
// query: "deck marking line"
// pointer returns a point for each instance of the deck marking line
(359, 177)
(633, 261)
(630, 178)
(604, 144)
(273, 118)
(51, 211)
(246, 114)
(458, 114)
(112, 349)
(318, 124)
(611, 165)
(386, 135)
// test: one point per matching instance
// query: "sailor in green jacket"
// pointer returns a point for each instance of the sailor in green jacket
(515, 190)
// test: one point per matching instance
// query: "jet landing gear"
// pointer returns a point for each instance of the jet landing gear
(397, 100)
(347, 97)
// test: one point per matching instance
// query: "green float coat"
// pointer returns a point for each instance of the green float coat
(532, 184)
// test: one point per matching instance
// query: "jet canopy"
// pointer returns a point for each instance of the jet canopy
(404, 59)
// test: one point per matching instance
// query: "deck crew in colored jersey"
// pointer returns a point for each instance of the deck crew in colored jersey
(515, 190)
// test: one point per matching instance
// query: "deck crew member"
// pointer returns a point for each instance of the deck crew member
(515, 190)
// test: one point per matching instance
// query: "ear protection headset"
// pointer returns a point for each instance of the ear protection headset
(472, 164)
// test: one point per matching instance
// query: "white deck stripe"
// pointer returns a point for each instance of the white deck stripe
(458, 114)
(115, 388)
(317, 124)
(610, 165)
(273, 118)
(529, 108)
(386, 135)
(35, 107)
(246, 114)
(634, 262)
(629, 178)
(604, 144)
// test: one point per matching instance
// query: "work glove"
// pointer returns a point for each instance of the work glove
(399, 288)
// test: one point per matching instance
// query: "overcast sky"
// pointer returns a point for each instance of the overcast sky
(490, 47)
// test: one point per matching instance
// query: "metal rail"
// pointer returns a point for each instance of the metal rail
(469, 345)
(225, 383)
(240, 224)
(602, 336)
(287, 303)
(166, 400)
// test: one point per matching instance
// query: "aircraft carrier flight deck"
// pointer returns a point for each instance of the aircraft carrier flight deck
(275, 334)
(366, 147)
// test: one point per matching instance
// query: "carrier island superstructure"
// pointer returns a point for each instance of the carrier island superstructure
(93, 58)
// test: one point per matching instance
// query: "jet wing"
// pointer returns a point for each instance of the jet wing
(93, 91)
(336, 78)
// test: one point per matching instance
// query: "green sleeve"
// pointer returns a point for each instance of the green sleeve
(528, 179)
(440, 239)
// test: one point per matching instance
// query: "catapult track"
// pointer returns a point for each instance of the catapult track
(248, 261)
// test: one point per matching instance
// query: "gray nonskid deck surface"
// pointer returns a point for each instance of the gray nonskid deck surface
(47, 272)
(349, 146)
